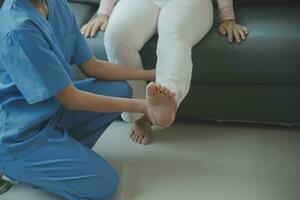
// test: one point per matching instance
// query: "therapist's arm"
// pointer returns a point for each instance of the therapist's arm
(104, 70)
(75, 99)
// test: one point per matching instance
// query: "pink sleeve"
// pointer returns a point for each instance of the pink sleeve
(106, 7)
(226, 9)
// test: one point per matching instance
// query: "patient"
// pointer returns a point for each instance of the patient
(180, 25)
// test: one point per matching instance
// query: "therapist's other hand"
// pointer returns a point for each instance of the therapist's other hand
(92, 27)
(233, 31)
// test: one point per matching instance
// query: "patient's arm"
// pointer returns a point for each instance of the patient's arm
(226, 9)
(229, 27)
(101, 20)
(106, 7)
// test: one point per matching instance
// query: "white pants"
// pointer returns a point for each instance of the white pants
(180, 25)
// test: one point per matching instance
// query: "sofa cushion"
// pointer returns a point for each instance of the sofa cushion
(83, 11)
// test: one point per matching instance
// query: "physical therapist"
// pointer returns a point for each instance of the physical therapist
(41, 107)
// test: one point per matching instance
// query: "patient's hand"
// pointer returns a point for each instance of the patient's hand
(233, 31)
(92, 27)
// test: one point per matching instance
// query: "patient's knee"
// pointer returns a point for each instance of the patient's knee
(117, 42)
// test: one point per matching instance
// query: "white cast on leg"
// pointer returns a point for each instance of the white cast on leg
(131, 25)
(181, 24)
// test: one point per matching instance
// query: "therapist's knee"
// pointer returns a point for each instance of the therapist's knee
(121, 89)
(124, 89)
(112, 184)
(114, 181)
(103, 187)
(111, 187)
(112, 88)
(118, 89)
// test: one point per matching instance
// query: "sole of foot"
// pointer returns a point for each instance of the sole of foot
(162, 105)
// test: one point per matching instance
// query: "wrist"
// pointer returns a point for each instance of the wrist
(144, 106)
(228, 21)
(150, 75)
(101, 15)
(227, 13)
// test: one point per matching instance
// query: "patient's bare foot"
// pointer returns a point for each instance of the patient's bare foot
(141, 131)
(162, 105)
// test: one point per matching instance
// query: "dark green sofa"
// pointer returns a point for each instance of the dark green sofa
(258, 81)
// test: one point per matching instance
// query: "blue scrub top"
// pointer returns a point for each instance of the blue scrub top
(35, 58)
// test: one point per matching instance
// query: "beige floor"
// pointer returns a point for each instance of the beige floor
(198, 161)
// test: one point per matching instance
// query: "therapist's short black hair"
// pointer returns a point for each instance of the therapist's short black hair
(1, 2)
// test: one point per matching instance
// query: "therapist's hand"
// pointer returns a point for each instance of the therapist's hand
(233, 31)
(92, 27)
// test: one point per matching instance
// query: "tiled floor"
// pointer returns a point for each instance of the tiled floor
(198, 161)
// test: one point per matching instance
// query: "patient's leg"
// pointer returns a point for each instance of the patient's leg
(178, 33)
(126, 34)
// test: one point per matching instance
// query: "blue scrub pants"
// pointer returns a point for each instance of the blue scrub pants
(65, 163)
